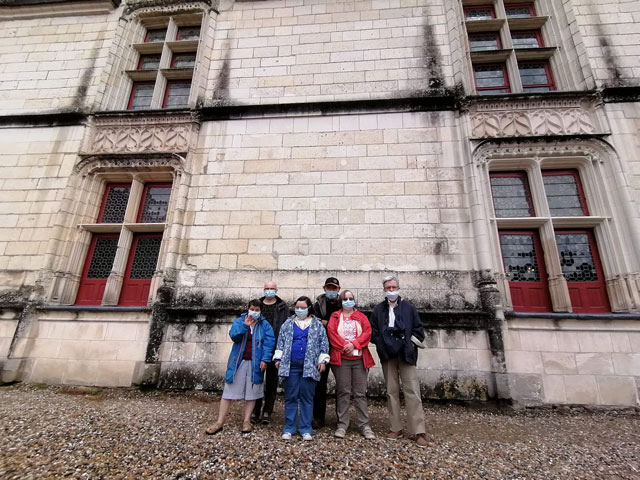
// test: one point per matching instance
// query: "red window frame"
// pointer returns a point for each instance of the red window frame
(479, 7)
(550, 81)
(167, 89)
(108, 188)
(529, 5)
(91, 290)
(523, 294)
(143, 200)
(147, 37)
(135, 292)
(589, 297)
(134, 87)
(143, 57)
(576, 175)
(179, 32)
(536, 33)
(525, 177)
(505, 76)
(477, 34)
(175, 57)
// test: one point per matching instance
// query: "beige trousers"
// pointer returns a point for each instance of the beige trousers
(395, 370)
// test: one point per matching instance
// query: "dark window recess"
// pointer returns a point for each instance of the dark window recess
(156, 35)
(484, 12)
(536, 77)
(511, 195)
(491, 79)
(155, 203)
(527, 39)
(183, 60)
(102, 259)
(141, 95)
(564, 194)
(188, 33)
(524, 10)
(114, 203)
(177, 94)
(149, 62)
(484, 41)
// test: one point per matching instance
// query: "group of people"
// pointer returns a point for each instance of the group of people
(331, 332)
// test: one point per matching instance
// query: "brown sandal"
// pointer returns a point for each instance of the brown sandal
(246, 427)
(213, 429)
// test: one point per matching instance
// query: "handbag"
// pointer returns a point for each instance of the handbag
(393, 338)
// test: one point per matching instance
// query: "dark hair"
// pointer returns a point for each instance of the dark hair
(304, 299)
(255, 303)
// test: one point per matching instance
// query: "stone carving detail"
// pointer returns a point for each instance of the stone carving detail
(593, 150)
(170, 6)
(92, 164)
(533, 118)
(141, 135)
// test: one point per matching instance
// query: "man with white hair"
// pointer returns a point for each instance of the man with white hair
(397, 332)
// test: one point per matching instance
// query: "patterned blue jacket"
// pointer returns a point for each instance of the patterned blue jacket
(262, 343)
(317, 348)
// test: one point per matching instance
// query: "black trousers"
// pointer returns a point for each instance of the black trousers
(270, 391)
(320, 398)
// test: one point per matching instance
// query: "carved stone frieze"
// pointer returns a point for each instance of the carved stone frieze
(524, 117)
(592, 149)
(141, 134)
(168, 6)
(97, 163)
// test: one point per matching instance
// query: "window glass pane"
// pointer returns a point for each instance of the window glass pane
(576, 257)
(189, 33)
(103, 255)
(149, 62)
(145, 258)
(484, 41)
(535, 77)
(525, 39)
(183, 60)
(115, 204)
(519, 11)
(489, 76)
(479, 13)
(511, 196)
(519, 255)
(178, 94)
(157, 35)
(563, 195)
(156, 203)
(142, 95)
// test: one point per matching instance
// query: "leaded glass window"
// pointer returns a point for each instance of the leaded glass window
(491, 79)
(576, 257)
(536, 77)
(519, 255)
(527, 39)
(149, 62)
(102, 259)
(479, 13)
(145, 257)
(188, 33)
(157, 35)
(484, 41)
(183, 60)
(141, 96)
(511, 196)
(520, 11)
(177, 94)
(155, 204)
(115, 204)
(564, 194)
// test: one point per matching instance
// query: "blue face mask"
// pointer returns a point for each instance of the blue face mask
(253, 314)
(269, 293)
(302, 312)
(331, 294)
(348, 303)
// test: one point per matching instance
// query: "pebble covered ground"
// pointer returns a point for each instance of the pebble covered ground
(88, 433)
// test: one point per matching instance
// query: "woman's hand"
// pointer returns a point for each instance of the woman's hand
(249, 322)
(348, 348)
(321, 367)
(277, 363)
(263, 366)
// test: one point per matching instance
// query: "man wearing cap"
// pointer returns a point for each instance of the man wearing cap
(276, 311)
(325, 305)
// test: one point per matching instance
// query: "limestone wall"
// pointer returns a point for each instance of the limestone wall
(35, 164)
(85, 348)
(8, 324)
(594, 362)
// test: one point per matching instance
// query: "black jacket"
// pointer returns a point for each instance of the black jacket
(323, 308)
(407, 316)
(280, 315)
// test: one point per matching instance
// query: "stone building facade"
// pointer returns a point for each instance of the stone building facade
(161, 159)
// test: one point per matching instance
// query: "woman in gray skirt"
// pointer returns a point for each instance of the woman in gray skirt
(253, 343)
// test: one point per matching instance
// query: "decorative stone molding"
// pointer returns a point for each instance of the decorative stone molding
(93, 164)
(168, 6)
(536, 148)
(534, 117)
(21, 9)
(127, 133)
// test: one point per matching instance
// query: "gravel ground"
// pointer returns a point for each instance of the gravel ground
(55, 432)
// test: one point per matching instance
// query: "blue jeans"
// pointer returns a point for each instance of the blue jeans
(298, 391)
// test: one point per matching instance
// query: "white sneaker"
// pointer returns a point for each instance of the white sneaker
(286, 436)
(307, 437)
(368, 433)
(340, 433)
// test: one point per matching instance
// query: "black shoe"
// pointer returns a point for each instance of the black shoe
(254, 420)
(266, 419)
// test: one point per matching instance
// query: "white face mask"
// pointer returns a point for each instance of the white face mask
(253, 314)
(392, 296)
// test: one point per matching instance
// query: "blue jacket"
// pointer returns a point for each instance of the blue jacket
(317, 348)
(407, 319)
(262, 343)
